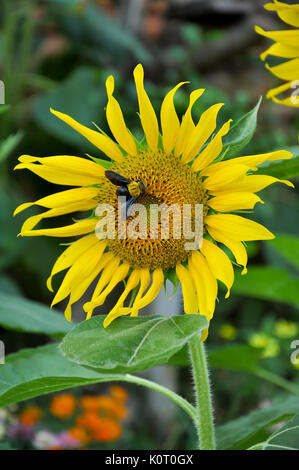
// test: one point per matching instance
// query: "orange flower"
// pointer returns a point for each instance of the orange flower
(80, 434)
(90, 403)
(89, 421)
(63, 405)
(110, 430)
(111, 408)
(118, 392)
(30, 415)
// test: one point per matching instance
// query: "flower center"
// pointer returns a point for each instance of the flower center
(148, 238)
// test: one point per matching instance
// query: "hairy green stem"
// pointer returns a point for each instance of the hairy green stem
(184, 404)
(204, 421)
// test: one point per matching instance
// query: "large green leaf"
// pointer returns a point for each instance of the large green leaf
(285, 168)
(288, 247)
(17, 313)
(33, 372)
(130, 344)
(239, 433)
(286, 438)
(268, 283)
(241, 133)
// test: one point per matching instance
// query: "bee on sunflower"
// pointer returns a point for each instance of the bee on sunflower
(180, 166)
(286, 46)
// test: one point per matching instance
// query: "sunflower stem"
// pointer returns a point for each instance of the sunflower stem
(204, 421)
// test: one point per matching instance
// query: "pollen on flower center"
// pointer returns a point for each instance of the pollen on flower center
(168, 181)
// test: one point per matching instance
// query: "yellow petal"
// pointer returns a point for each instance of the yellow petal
(153, 291)
(187, 125)
(291, 100)
(132, 282)
(70, 255)
(288, 37)
(101, 141)
(253, 183)
(279, 50)
(219, 263)
(238, 228)
(286, 71)
(222, 179)
(201, 292)
(188, 289)
(233, 201)
(287, 13)
(147, 114)
(250, 161)
(145, 280)
(83, 267)
(199, 262)
(119, 274)
(62, 198)
(237, 248)
(116, 121)
(31, 222)
(78, 290)
(109, 264)
(203, 130)
(212, 150)
(78, 228)
(170, 123)
(63, 169)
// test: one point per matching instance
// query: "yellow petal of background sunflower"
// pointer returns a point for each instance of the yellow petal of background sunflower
(287, 13)
(286, 71)
(101, 141)
(116, 121)
(170, 123)
(147, 114)
(238, 228)
(287, 37)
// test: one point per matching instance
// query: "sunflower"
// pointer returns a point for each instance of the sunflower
(181, 166)
(286, 46)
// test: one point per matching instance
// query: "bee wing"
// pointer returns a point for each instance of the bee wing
(116, 178)
(128, 206)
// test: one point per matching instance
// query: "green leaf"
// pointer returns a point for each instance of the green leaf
(241, 133)
(6, 445)
(130, 344)
(33, 372)
(8, 286)
(288, 247)
(238, 357)
(284, 169)
(17, 313)
(286, 438)
(268, 283)
(238, 433)
(67, 98)
(9, 144)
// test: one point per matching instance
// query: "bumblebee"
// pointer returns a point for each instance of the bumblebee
(131, 190)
